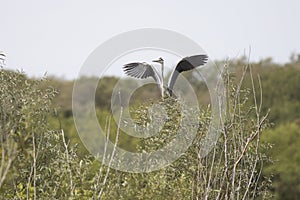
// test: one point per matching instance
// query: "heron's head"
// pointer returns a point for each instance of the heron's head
(160, 60)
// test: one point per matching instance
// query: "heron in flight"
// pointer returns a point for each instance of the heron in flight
(144, 70)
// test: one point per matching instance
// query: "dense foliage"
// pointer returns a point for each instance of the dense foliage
(42, 156)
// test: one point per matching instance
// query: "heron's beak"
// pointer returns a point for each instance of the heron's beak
(156, 61)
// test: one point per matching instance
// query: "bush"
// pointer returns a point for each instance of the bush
(42, 163)
(23, 120)
(233, 170)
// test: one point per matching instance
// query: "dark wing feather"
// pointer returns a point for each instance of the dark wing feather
(142, 71)
(187, 63)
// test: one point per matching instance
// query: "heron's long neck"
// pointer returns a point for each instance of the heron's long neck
(162, 80)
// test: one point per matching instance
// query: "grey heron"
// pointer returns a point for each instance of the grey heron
(144, 70)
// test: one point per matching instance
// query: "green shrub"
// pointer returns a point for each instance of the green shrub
(43, 164)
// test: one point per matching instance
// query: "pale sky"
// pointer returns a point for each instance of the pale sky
(57, 36)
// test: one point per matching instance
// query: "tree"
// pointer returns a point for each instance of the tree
(286, 156)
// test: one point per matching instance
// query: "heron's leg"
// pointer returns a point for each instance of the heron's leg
(162, 92)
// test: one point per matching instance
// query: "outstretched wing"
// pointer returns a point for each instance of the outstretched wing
(141, 70)
(187, 63)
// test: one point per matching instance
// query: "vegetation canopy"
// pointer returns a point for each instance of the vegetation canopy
(256, 156)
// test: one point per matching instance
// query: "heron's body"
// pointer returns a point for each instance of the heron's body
(145, 70)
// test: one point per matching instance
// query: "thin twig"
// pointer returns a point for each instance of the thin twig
(34, 166)
(210, 174)
(68, 162)
(112, 155)
(11, 155)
